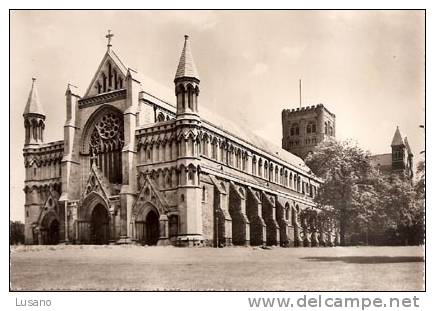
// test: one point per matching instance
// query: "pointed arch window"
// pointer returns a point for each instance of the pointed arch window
(160, 117)
(104, 82)
(105, 145)
(109, 71)
(294, 129)
(204, 194)
(190, 96)
(311, 127)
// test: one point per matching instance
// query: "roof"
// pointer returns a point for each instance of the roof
(397, 139)
(33, 105)
(116, 60)
(408, 148)
(186, 66)
(240, 131)
(381, 159)
(245, 134)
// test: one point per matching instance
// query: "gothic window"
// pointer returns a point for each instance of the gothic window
(265, 170)
(397, 155)
(203, 194)
(286, 178)
(190, 96)
(99, 87)
(287, 211)
(311, 127)
(104, 82)
(294, 130)
(276, 174)
(260, 168)
(107, 140)
(326, 128)
(110, 75)
(191, 174)
(160, 117)
(205, 145)
(237, 154)
(115, 77)
(214, 150)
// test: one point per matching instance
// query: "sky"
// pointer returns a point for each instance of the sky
(367, 67)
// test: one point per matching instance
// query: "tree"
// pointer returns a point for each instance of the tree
(403, 215)
(420, 185)
(348, 186)
(16, 234)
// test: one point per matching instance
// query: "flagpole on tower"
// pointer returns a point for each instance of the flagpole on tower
(300, 93)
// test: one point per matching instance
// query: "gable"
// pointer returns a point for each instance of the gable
(110, 76)
(149, 194)
(97, 183)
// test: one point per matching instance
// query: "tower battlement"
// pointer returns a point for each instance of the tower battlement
(305, 127)
(305, 109)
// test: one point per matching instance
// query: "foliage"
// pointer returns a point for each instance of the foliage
(346, 171)
(420, 185)
(16, 235)
(363, 199)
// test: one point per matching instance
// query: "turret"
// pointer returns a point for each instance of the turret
(398, 151)
(186, 83)
(34, 118)
(189, 193)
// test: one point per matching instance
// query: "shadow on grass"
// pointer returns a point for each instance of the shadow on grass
(368, 259)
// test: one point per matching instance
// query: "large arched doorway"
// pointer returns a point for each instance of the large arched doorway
(147, 227)
(49, 229)
(152, 226)
(53, 233)
(100, 230)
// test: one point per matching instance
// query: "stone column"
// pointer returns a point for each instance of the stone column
(164, 230)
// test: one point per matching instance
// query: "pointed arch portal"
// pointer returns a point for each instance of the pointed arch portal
(49, 229)
(148, 227)
(100, 229)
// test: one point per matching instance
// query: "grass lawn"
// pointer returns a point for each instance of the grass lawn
(75, 267)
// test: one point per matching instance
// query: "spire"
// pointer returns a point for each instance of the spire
(186, 66)
(397, 139)
(33, 105)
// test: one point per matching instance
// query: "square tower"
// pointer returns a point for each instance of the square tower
(304, 128)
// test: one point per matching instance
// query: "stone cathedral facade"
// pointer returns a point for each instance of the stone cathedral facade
(141, 164)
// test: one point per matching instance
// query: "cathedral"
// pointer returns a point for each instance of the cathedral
(141, 163)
